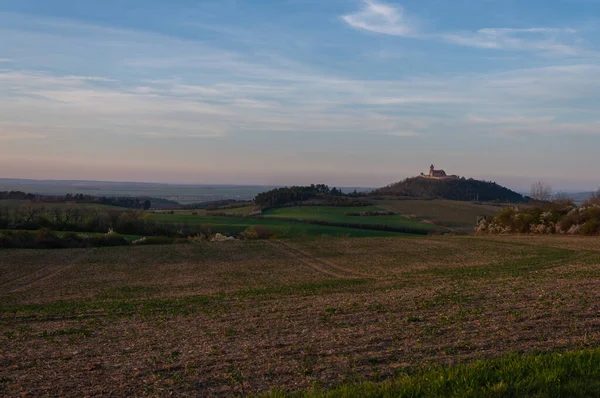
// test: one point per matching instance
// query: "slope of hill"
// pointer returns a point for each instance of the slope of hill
(460, 216)
(452, 189)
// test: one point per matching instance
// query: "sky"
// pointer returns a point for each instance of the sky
(281, 92)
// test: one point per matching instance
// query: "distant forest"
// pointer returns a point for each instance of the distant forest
(451, 189)
(127, 202)
(302, 195)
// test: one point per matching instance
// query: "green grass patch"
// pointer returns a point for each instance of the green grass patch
(67, 332)
(570, 374)
(125, 301)
(531, 261)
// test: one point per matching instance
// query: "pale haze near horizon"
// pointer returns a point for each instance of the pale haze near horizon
(349, 93)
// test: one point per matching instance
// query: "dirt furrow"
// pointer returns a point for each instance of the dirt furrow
(326, 263)
(324, 267)
(306, 260)
(51, 273)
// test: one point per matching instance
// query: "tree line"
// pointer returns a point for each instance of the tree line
(281, 196)
(35, 215)
(124, 201)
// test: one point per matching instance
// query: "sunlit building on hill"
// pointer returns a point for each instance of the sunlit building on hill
(437, 174)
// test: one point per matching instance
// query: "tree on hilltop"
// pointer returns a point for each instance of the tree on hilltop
(541, 191)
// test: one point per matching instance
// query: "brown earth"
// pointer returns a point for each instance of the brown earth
(238, 317)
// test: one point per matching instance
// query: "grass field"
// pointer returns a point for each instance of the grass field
(282, 228)
(462, 316)
(570, 374)
(338, 214)
(242, 211)
(428, 215)
(461, 216)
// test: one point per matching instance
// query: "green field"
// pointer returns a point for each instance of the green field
(278, 220)
(337, 214)
(428, 215)
(570, 374)
(241, 211)
(281, 228)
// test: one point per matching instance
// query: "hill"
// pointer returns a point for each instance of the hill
(453, 189)
(319, 194)
(460, 216)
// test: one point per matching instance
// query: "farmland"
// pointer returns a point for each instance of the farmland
(282, 228)
(292, 222)
(362, 315)
(339, 215)
(457, 215)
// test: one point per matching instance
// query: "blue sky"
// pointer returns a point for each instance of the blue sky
(346, 92)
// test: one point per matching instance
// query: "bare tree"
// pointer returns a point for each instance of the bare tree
(63, 217)
(541, 191)
(30, 212)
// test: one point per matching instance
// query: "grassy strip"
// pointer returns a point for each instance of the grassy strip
(338, 216)
(63, 233)
(537, 260)
(570, 374)
(284, 229)
(373, 227)
(116, 303)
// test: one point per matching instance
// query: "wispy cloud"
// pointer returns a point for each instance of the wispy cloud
(510, 119)
(543, 40)
(379, 17)
(163, 109)
(382, 18)
(124, 97)
(236, 93)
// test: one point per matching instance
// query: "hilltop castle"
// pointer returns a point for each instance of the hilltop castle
(436, 174)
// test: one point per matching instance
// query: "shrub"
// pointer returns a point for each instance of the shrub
(557, 217)
(591, 227)
(257, 232)
(197, 238)
(45, 238)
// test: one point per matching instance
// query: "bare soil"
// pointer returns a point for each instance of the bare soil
(244, 317)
